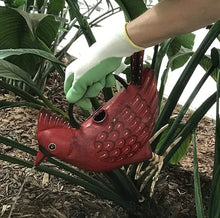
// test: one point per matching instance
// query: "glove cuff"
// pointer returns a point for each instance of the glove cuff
(129, 40)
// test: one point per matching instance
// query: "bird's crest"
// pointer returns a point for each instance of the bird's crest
(46, 120)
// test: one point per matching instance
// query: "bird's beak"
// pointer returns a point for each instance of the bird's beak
(40, 158)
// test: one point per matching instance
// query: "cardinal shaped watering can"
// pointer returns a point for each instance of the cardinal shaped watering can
(116, 134)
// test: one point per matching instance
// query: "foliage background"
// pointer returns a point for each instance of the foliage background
(32, 38)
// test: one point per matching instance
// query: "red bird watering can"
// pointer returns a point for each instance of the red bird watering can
(116, 134)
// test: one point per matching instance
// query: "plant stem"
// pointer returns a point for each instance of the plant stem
(82, 22)
(214, 200)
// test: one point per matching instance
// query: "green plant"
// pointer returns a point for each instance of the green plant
(124, 188)
(42, 25)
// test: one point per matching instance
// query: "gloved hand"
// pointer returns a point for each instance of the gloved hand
(86, 76)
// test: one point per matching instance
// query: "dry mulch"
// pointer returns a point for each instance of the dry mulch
(47, 196)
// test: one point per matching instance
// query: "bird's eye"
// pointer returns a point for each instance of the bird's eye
(52, 146)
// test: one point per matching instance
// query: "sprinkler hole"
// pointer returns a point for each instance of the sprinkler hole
(100, 116)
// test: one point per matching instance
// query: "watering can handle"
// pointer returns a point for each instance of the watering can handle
(136, 61)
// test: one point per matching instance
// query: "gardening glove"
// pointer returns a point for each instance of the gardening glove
(85, 77)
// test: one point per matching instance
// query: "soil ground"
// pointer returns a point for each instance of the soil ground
(47, 196)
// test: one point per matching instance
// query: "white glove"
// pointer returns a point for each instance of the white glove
(86, 76)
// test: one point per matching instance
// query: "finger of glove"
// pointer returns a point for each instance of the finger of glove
(94, 90)
(110, 80)
(84, 103)
(68, 83)
(75, 93)
(87, 79)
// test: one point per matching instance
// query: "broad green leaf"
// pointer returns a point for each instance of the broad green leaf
(4, 53)
(180, 58)
(178, 44)
(46, 27)
(11, 71)
(18, 92)
(186, 41)
(55, 7)
(20, 29)
(181, 151)
(206, 64)
(15, 29)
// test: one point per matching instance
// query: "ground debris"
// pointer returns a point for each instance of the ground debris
(47, 196)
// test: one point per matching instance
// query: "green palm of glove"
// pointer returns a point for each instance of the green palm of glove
(91, 82)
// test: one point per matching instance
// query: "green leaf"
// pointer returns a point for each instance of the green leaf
(214, 209)
(175, 125)
(184, 78)
(181, 151)
(214, 201)
(215, 55)
(11, 71)
(55, 7)
(15, 29)
(18, 92)
(85, 180)
(17, 145)
(46, 27)
(14, 3)
(20, 29)
(18, 3)
(7, 104)
(197, 187)
(206, 63)
(180, 58)
(181, 44)
(192, 122)
(185, 41)
(4, 53)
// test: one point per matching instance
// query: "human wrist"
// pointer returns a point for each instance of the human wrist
(130, 41)
(134, 33)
